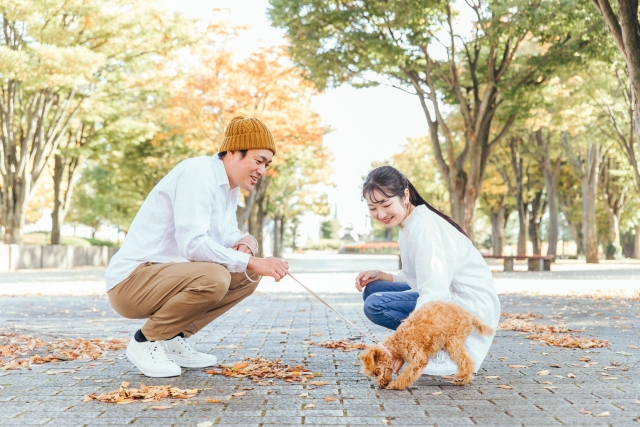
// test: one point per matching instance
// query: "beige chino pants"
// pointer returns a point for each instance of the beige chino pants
(179, 297)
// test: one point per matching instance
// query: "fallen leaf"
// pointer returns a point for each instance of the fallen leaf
(492, 377)
(205, 424)
(215, 401)
(344, 345)
(584, 411)
(303, 395)
(542, 373)
(436, 393)
(518, 366)
(318, 383)
(329, 399)
(603, 414)
(632, 346)
(550, 386)
(610, 378)
(570, 375)
(547, 382)
(309, 406)
(315, 334)
(161, 407)
(125, 384)
(238, 394)
(446, 377)
(506, 387)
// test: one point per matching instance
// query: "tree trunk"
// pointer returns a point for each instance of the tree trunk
(57, 216)
(550, 182)
(589, 185)
(636, 242)
(537, 209)
(277, 238)
(522, 228)
(497, 230)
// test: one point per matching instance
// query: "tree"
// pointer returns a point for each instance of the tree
(511, 165)
(586, 160)
(624, 29)
(550, 170)
(264, 85)
(53, 58)
(418, 46)
(496, 205)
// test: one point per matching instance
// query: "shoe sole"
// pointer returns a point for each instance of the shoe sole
(186, 363)
(149, 373)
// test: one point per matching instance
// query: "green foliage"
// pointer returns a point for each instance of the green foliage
(329, 229)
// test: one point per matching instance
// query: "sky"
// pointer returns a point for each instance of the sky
(369, 124)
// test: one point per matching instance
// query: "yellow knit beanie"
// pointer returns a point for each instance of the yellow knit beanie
(247, 133)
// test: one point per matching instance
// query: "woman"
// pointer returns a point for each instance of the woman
(439, 263)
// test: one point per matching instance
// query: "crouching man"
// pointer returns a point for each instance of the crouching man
(184, 262)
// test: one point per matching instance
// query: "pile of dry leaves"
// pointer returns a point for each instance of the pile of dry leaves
(20, 351)
(343, 345)
(264, 371)
(524, 316)
(126, 395)
(548, 334)
(520, 325)
(569, 341)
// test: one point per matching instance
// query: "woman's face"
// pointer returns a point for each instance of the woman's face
(389, 211)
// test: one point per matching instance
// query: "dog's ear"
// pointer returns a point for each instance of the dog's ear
(367, 358)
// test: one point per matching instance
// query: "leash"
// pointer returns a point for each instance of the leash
(343, 318)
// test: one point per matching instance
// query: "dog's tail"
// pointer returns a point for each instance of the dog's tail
(481, 327)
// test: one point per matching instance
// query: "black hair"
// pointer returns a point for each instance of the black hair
(391, 182)
(224, 153)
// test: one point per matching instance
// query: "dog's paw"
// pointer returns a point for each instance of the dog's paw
(395, 386)
(461, 380)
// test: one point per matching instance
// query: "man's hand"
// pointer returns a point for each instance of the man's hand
(273, 267)
(246, 244)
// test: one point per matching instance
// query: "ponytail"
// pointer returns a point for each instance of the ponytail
(391, 182)
(416, 200)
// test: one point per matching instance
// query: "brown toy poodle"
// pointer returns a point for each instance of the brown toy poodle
(434, 326)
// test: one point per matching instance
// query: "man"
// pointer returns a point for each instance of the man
(184, 262)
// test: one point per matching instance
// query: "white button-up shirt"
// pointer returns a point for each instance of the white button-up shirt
(189, 216)
(441, 264)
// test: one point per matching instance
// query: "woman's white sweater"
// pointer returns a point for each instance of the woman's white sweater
(441, 264)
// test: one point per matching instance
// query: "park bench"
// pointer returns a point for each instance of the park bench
(534, 262)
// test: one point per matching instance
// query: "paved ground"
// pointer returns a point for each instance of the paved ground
(274, 325)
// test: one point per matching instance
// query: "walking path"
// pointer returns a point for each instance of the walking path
(281, 320)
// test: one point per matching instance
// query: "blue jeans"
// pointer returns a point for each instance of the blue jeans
(386, 304)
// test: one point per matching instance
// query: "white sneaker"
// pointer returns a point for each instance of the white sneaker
(151, 359)
(184, 355)
(441, 365)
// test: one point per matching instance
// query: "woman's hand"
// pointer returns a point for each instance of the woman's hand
(366, 277)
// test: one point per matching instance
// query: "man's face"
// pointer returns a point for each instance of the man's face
(244, 172)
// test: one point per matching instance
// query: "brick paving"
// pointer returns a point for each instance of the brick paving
(274, 325)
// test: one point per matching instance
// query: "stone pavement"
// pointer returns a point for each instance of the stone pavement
(274, 325)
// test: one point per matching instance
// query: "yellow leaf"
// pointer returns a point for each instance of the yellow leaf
(436, 393)
(603, 414)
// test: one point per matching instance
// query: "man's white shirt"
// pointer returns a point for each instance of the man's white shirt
(189, 216)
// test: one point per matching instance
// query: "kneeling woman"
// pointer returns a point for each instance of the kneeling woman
(439, 263)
